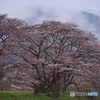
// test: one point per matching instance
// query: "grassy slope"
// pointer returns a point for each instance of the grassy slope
(12, 95)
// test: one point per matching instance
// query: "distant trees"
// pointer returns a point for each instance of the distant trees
(1, 45)
(59, 55)
(9, 28)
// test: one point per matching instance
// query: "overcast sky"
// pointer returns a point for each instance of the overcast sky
(22, 8)
(36, 11)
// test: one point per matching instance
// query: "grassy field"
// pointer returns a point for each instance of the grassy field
(21, 95)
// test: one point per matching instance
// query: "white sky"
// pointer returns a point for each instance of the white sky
(21, 8)
(35, 11)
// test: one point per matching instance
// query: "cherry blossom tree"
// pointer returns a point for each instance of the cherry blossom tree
(9, 28)
(58, 55)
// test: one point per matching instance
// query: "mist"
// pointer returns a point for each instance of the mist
(37, 11)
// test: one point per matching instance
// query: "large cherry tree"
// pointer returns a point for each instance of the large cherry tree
(51, 56)
(61, 55)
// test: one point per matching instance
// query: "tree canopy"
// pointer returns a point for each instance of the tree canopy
(49, 57)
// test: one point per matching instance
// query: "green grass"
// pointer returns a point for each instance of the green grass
(11, 95)
(24, 95)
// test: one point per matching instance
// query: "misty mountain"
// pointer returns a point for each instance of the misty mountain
(87, 20)
(93, 20)
(39, 14)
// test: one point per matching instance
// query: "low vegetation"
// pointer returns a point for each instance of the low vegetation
(20, 95)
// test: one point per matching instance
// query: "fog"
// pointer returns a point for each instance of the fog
(25, 8)
(36, 11)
